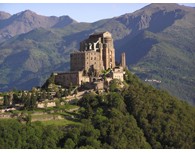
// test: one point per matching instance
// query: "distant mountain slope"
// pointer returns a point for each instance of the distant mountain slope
(158, 40)
(163, 47)
(30, 56)
(27, 20)
(4, 15)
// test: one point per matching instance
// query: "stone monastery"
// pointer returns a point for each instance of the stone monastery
(93, 64)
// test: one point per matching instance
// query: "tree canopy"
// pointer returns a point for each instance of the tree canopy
(138, 116)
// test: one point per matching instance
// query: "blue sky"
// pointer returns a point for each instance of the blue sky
(82, 12)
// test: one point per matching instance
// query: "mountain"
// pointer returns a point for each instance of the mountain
(167, 48)
(158, 40)
(4, 15)
(27, 20)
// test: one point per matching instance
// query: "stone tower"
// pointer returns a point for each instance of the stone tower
(108, 53)
(102, 43)
(123, 60)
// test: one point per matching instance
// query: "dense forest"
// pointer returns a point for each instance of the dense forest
(135, 116)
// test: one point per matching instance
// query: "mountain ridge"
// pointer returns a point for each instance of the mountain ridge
(27, 20)
(4, 15)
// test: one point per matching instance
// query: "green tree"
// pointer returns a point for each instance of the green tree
(27, 101)
(15, 98)
(75, 91)
(116, 100)
(58, 94)
(28, 119)
(70, 88)
(51, 136)
(43, 95)
(69, 144)
(23, 98)
(49, 81)
(33, 100)
(65, 93)
(6, 101)
(114, 85)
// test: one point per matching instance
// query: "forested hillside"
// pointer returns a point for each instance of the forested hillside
(135, 116)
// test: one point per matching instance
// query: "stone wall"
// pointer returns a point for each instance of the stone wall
(46, 104)
(118, 73)
(86, 60)
(77, 61)
(75, 78)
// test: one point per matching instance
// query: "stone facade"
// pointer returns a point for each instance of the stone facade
(96, 53)
(102, 43)
(86, 60)
(118, 73)
(73, 78)
(46, 104)
(99, 85)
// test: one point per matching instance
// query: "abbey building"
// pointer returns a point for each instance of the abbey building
(96, 55)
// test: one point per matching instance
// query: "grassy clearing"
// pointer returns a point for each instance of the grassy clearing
(60, 107)
(53, 119)
(43, 116)
(6, 119)
(63, 122)
(58, 116)
(68, 106)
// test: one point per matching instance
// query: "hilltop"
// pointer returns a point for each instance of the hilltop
(166, 53)
(118, 119)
